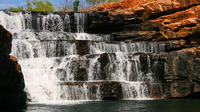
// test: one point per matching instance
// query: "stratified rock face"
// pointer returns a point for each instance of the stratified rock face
(146, 19)
(11, 78)
(143, 9)
(176, 25)
(175, 22)
(180, 72)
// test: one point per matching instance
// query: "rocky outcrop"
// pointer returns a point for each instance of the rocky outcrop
(11, 78)
(146, 19)
(175, 23)
(180, 74)
(174, 26)
(143, 9)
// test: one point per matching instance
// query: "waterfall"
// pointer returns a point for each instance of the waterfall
(80, 19)
(55, 70)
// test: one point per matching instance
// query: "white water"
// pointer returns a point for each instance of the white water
(137, 47)
(80, 19)
(48, 56)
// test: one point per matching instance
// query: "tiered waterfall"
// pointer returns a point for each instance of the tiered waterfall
(61, 65)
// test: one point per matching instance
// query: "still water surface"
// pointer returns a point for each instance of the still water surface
(175, 105)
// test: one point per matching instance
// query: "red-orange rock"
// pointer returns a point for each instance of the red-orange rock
(159, 19)
(144, 7)
(177, 25)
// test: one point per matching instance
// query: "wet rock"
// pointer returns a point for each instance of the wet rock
(155, 90)
(104, 61)
(82, 47)
(81, 74)
(109, 90)
(181, 74)
(180, 89)
(144, 63)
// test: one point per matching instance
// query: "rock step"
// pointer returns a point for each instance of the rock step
(58, 35)
(107, 90)
(108, 66)
(59, 48)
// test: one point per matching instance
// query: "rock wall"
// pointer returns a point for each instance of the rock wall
(11, 78)
(173, 22)
(178, 72)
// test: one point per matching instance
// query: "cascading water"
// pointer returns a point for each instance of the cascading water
(55, 71)
(80, 20)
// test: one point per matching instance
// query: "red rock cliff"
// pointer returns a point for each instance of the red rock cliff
(176, 23)
(157, 19)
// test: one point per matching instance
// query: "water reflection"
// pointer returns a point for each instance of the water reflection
(177, 105)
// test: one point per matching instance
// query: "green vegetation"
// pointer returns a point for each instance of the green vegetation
(95, 2)
(45, 5)
(28, 5)
(75, 5)
(36, 5)
(15, 9)
(39, 5)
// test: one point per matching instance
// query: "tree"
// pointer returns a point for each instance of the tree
(49, 6)
(28, 5)
(39, 5)
(95, 2)
(20, 8)
(92, 2)
(75, 5)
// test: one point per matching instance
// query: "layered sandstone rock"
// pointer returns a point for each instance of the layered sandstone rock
(144, 8)
(11, 78)
(146, 19)
(180, 70)
(176, 23)
(173, 26)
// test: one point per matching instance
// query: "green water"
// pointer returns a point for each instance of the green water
(176, 105)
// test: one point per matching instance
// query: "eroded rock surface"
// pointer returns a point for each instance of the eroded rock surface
(172, 22)
(146, 19)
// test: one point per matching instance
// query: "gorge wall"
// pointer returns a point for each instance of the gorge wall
(176, 23)
(135, 49)
(12, 85)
